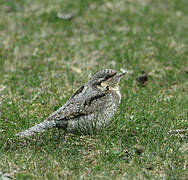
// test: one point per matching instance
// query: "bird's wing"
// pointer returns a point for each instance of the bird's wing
(79, 91)
(76, 107)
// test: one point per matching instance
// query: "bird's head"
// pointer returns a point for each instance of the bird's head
(106, 79)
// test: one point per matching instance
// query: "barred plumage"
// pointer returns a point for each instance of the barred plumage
(90, 107)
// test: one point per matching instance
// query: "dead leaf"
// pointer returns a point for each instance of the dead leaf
(67, 16)
(142, 79)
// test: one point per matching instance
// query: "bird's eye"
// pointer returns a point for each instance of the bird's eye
(107, 88)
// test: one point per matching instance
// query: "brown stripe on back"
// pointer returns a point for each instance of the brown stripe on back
(89, 101)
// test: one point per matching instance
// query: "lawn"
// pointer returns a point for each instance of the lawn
(50, 48)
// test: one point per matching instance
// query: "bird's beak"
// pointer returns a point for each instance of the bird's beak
(120, 74)
(115, 80)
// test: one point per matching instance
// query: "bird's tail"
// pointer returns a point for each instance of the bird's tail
(38, 128)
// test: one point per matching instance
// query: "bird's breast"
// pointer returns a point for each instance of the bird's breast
(99, 118)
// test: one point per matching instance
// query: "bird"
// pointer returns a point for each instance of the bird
(90, 108)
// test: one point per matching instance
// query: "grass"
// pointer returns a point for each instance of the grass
(43, 59)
